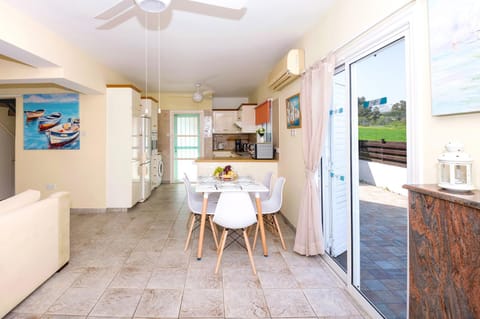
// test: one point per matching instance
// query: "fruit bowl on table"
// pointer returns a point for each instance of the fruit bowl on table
(227, 177)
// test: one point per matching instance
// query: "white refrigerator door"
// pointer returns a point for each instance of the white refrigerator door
(146, 139)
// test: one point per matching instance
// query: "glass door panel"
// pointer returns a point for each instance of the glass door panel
(186, 145)
(335, 166)
(378, 146)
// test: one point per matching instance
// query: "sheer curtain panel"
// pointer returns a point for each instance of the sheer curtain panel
(315, 103)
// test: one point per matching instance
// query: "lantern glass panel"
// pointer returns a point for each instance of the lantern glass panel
(444, 173)
(460, 174)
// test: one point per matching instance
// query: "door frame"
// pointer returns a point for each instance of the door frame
(172, 135)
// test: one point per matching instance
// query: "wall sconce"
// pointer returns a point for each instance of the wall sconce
(455, 169)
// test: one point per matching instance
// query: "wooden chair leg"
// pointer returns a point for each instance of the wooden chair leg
(255, 237)
(190, 230)
(221, 247)
(249, 250)
(214, 231)
(279, 231)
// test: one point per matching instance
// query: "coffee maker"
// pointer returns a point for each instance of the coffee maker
(238, 145)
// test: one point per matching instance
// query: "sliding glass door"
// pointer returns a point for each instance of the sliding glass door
(363, 169)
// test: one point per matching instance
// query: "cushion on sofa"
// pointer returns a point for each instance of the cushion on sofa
(22, 199)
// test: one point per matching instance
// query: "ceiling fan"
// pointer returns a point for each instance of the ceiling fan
(158, 6)
(198, 95)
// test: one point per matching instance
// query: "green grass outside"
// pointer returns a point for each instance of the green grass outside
(376, 133)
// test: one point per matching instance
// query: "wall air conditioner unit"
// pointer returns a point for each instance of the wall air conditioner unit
(288, 69)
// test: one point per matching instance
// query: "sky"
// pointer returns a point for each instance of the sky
(382, 74)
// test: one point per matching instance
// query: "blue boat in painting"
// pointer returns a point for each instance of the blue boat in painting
(49, 121)
(64, 133)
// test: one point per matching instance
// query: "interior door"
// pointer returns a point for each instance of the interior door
(7, 164)
(186, 144)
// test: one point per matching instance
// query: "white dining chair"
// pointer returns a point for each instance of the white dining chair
(234, 211)
(195, 207)
(267, 179)
(271, 207)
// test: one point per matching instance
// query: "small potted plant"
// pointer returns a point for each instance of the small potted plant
(261, 132)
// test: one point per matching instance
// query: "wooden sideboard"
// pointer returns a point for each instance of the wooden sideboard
(444, 248)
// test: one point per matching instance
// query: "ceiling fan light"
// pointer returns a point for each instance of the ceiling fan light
(153, 6)
(197, 97)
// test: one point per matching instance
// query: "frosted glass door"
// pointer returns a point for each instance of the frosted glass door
(186, 145)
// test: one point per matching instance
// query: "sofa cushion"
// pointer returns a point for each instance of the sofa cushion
(22, 199)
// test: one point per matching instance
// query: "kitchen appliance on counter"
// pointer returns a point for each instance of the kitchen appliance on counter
(238, 145)
(263, 151)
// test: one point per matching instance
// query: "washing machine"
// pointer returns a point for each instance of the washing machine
(157, 170)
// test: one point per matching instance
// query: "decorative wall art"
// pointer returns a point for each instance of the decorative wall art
(51, 121)
(455, 52)
(294, 118)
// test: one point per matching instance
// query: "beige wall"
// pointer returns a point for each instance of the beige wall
(58, 65)
(182, 101)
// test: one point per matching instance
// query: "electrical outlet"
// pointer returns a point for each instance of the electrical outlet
(51, 187)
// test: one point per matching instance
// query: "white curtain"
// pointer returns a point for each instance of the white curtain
(315, 103)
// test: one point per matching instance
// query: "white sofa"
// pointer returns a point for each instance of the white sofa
(34, 243)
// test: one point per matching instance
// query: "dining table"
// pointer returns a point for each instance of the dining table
(211, 184)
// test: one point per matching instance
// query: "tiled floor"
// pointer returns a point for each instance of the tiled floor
(126, 265)
(383, 247)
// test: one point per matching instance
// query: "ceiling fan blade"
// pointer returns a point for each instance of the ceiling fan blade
(115, 10)
(229, 4)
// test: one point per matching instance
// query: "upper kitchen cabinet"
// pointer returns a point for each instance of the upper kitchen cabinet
(150, 109)
(224, 122)
(246, 118)
(122, 179)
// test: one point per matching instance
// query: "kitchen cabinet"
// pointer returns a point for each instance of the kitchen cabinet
(122, 172)
(246, 118)
(224, 122)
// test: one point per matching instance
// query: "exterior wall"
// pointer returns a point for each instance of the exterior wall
(385, 176)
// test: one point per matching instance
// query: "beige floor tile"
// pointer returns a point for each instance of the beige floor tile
(202, 303)
(48, 316)
(287, 303)
(331, 302)
(130, 277)
(245, 303)
(146, 260)
(14, 315)
(164, 303)
(168, 278)
(76, 301)
(240, 278)
(118, 302)
(282, 278)
(178, 259)
(274, 261)
(316, 277)
(96, 277)
(203, 278)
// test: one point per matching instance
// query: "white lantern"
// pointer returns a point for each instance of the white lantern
(455, 169)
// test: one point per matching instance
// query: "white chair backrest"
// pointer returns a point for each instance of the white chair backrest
(267, 179)
(274, 203)
(234, 210)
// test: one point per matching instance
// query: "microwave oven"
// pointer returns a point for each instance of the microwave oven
(263, 151)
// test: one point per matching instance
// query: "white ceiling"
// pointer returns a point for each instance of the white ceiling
(228, 51)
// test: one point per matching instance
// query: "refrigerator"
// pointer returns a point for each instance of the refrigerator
(142, 151)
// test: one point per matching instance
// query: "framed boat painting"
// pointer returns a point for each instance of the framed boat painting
(294, 117)
(454, 51)
(51, 121)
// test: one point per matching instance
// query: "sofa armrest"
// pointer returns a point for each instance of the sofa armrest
(22, 199)
(64, 204)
